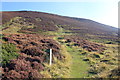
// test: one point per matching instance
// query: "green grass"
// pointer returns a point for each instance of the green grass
(59, 32)
(79, 67)
(105, 41)
(12, 30)
(14, 25)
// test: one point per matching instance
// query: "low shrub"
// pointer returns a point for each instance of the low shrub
(9, 52)
(60, 37)
(109, 42)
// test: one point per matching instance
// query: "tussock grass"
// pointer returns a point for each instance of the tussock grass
(59, 32)
(60, 68)
(16, 24)
(94, 64)
(109, 62)
(12, 29)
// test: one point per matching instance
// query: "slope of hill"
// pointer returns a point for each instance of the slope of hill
(39, 18)
(29, 21)
(74, 41)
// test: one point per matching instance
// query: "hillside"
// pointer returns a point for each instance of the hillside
(38, 21)
(82, 48)
(55, 20)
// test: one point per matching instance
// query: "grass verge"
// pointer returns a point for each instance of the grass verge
(60, 68)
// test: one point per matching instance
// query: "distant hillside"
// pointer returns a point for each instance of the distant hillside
(31, 21)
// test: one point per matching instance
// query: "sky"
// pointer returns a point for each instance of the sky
(103, 12)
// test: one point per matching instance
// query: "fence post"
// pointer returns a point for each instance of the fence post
(50, 56)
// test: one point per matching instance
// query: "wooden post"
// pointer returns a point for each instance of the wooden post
(50, 56)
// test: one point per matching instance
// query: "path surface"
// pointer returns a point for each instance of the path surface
(79, 67)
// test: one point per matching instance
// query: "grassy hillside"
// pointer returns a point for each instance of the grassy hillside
(50, 22)
(82, 48)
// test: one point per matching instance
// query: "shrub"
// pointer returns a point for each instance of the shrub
(60, 37)
(1, 35)
(93, 70)
(8, 52)
(109, 42)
